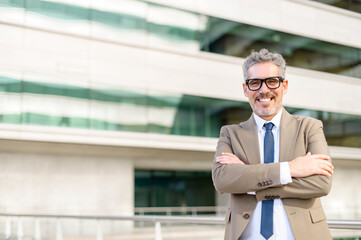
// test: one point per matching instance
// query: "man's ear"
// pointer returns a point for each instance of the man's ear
(245, 90)
(285, 86)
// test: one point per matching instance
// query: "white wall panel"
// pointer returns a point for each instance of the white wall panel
(66, 184)
(49, 53)
(11, 45)
(338, 203)
(12, 15)
(118, 65)
(323, 91)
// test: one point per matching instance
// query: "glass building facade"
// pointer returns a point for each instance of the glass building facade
(352, 5)
(92, 105)
(238, 39)
(47, 104)
(138, 109)
(140, 22)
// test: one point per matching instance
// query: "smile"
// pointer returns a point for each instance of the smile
(264, 99)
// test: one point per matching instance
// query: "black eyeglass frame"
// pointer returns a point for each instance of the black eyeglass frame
(280, 79)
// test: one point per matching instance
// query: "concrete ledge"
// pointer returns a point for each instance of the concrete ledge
(106, 138)
(346, 153)
(148, 142)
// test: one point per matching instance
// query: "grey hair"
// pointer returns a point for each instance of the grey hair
(264, 56)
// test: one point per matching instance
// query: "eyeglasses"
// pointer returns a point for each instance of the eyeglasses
(271, 82)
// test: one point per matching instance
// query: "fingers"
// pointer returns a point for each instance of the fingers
(225, 160)
(228, 154)
(228, 158)
(323, 163)
(326, 172)
(319, 156)
(324, 168)
(327, 166)
(309, 165)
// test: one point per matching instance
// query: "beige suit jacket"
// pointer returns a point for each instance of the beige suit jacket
(298, 135)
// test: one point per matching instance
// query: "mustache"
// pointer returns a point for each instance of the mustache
(268, 95)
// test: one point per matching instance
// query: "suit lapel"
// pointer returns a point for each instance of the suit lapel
(288, 134)
(248, 138)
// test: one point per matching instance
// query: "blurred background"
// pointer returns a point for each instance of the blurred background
(113, 107)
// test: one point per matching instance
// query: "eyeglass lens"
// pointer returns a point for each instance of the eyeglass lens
(255, 84)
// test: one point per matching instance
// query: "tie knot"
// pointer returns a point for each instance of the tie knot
(268, 126)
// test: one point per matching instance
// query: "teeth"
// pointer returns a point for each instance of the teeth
(264, 99)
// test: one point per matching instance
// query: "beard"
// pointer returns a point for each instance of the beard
(265, 112)
(260, 111)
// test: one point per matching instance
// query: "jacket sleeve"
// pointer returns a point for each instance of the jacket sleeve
(309, 187)
(241, 178)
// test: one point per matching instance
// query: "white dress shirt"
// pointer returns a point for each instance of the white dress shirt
(281, 226)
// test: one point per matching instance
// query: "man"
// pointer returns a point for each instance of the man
(275, 165)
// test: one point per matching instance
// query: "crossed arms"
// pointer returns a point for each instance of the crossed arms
(311, 173)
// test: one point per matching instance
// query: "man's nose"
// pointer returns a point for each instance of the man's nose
(264, 88)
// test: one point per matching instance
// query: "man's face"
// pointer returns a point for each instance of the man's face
(265, 102)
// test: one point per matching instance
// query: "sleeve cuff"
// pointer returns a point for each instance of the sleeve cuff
(285, 173)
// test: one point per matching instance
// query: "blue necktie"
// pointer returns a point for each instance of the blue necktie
(267, 205)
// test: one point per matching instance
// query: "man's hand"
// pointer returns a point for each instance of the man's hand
(228, 158)
(311, 165)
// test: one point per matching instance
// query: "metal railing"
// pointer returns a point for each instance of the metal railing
(169, 211)
(157, 220)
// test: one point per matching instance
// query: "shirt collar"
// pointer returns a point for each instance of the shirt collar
(276, 120)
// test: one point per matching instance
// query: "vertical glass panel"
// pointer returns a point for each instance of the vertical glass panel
(173, 28)
(118, 109)
(200, 116)
(154, 188)
(355, 5)
(340, 129)
(12, 3)
(8, 84)
(58, 16)
(120, 21)
(55, 104)
(58, 10)
(352, 5)
(10, 100)
(162, 111)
